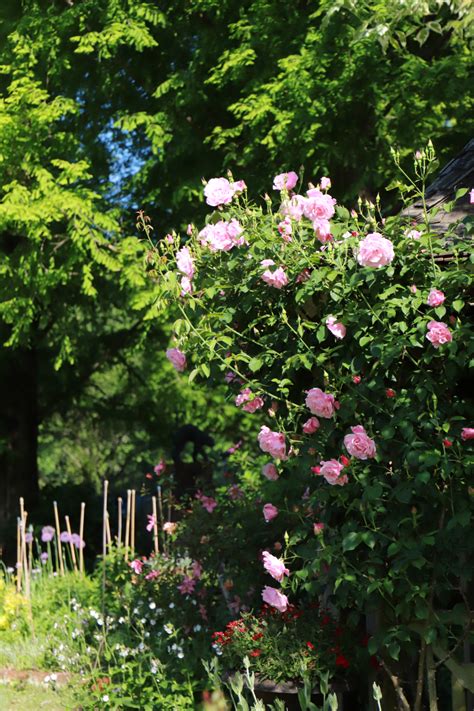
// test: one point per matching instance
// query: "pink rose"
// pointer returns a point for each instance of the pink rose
(270, 471)
(187, 586)
(413, 234)
(438, 333)
(278, 278)
(467, 433)
(250, 402)
(185, 262)
(471, 196)
(272, 442)
(177, 359)
(331, 471)
(137, 566)
(336, 327)
(151, 522)
(318, 207)
(274, 566)
(239, 186)
(269, 512)
(325, 183)
(186, 286)
(375, 251)
(169, 527)
(222, 236)
(318, 528)
(435, 298)
(274, 598)
(285, 229)
(207, 503)
(285, 181)
(311, 425)
(359, 444)
(218, 191)
(293, 207)
(320, 403)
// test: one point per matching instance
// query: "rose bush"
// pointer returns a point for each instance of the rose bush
(367, 330)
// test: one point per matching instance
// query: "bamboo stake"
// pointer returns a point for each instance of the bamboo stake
(170, 500)
(132, 524)
(104, 549)
(127, 524)
(155, 526)
(18, 555)
(24, 558)
(160, 509)
(58, 536)
(71, 544)
(109, 535)
(119, 521)
(30, 553)
(81, 536)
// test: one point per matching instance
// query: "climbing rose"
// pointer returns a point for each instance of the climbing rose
(275, 598)
(222, 236)
(336, 327)
(169, 527)
(467, 433)
(185, 262)
(274, 566)
(320, 403)
(278, 278)
(325, 183)
(318, 528)
(359, 444)
(177, 359)
(438, 333)
(285, 181)
(331, 471)
(218, 191)
(250, 402)
(311, 425)
(270, 471)
(137, 566)
(413, 234)
(293, 207)
(435, 298)
(375, 251)
(269, 512)
(272, 442)
(239, 186)
(186, 286)
(285, 229)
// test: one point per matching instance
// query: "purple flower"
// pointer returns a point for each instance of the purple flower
(44, 557)
(65, 537)
(77, 541)
(47, 534)
(29, 537)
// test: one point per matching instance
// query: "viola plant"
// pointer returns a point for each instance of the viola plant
(345, 335)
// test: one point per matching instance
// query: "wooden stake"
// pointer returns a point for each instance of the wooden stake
(104, 550)
(109, 535)
(155, 526)
(58, 538)
(71, 544)
(119, 521)
(81, 536)
(160, 509)
(127, 524)
(30, 553)
(24, 558)
(132, 522)
(18, 555)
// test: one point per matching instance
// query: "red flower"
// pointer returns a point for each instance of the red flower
(356, 379)
(315, 470)
(341, 661)
(344, 460)
(310, 646)
(389, 392)
(447, 443)
(257, 635)
(256, 653)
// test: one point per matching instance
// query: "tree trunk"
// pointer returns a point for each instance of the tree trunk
(18, 437)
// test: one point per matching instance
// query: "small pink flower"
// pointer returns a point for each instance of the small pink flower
(177, 359)
(269, 512)
(169, 527)
(318, 528)
(189, 229)
(471, 196)
(218, 191)
(359, 444)
(249, 401)
(320, 403)
(235, 492)
(413, 289)
(336, 327)
(285, 229)
(356, 379)
(152, 575)
(160, 467)
(274, 598)
(137, 566)
(270, 471)
(467, 433)
(239, 186)
(278, 278)
(274, 566)
(331, 471)
(325, 183)
(285, 181)
(186, 286)
(222, 236)
(169, 238)
(293, 207)
(438, 333)
(272, 442)
(435, 298)
(185, 263)
(375, 251)
(413, 234)
(187, 586)
(208, 503)
(151, 522)
(311, 425)
(196, 569)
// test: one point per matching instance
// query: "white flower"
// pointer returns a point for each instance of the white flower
(168, 629)
(105, 697)
(197, 628)
(171, 605)
(152, 605)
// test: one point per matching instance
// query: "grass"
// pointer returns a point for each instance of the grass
(23, 696)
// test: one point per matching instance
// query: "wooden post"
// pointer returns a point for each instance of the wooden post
(18, 555)
(71, 544)
(132, 523)
(119, 521)
(81, 536)
(155, 526)
(58, 537)
(109, 535)
(127, 524)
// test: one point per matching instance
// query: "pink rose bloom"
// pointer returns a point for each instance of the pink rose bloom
(251, 403)
(186, 286)
(336, 327)
(413, 289)
(471, 196)
(285, 181)
(269, 512)
(318, 206)
(359, 444)
(375, 251)
(187, 586)
(325, 183)
(274, 566)
(270, 471)
(293, 207)
(169, 238)
(160, 467)
(185, 262)
(208, 503)
(177, 359)
(152, 575)
(239, 186)
(467, 433)
(218, 191)
(274, 598)
(413, 234)
(137, 566)
(285, 229)
(189, 229)
(222, 236)
(272, 442)
(318, 528)
(278, 278)
(320, 403)
(151, 522)
(438, 333)
(435, 298)
(311, 425)
(322, 230)
(169, 527)
(331, 471)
